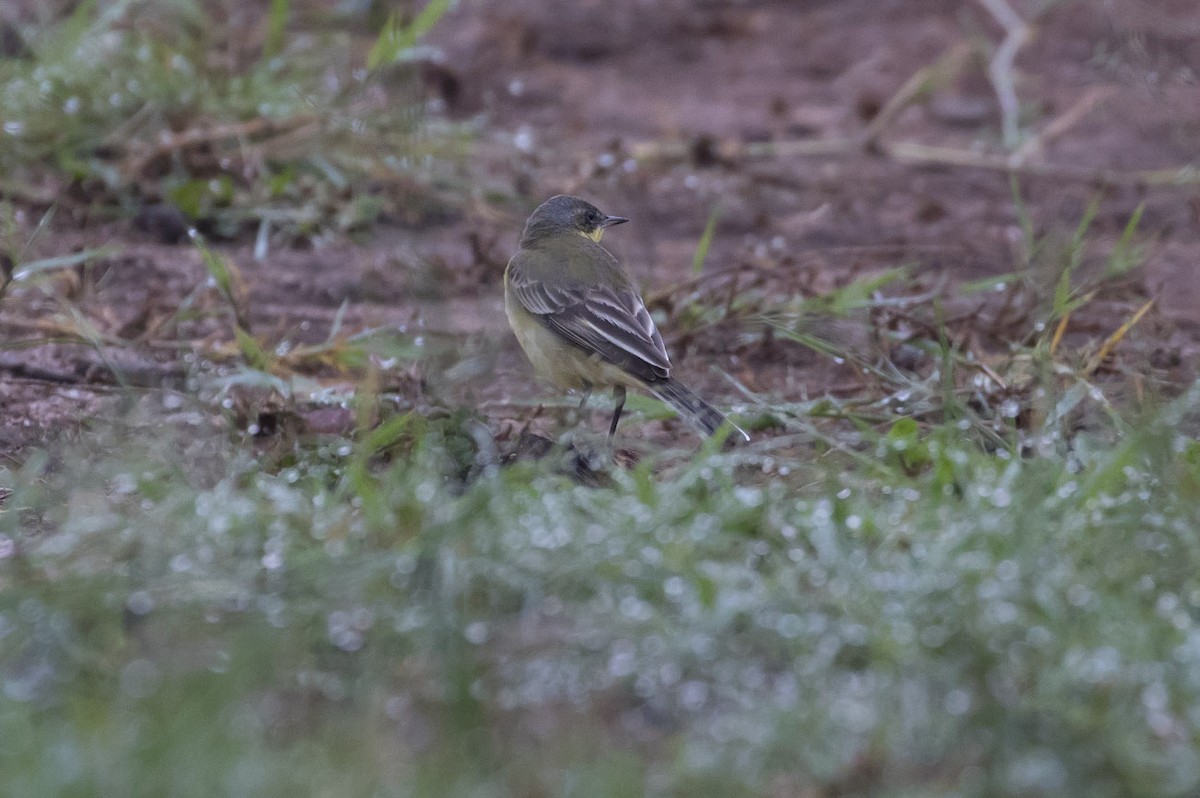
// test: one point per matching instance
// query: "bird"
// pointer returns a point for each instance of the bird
(581, 322)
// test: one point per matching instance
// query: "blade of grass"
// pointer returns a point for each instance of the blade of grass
(705, 240)
(1059, 331)
(396, 40)
(277, 20)
(1126, 256)
(27, 270)
(1111, 342)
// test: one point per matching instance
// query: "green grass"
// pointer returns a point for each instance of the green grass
(182, 616)
(939, 587)
(266, 119)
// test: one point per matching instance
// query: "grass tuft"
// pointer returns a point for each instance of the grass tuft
(234, 117)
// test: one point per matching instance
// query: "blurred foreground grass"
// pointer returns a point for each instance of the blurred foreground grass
(178, 617)
(949, 589)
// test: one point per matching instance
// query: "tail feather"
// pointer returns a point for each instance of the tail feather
(691, 408)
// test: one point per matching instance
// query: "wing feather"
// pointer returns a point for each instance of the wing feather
(611, 323)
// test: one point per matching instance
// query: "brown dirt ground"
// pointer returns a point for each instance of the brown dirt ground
(663, 111)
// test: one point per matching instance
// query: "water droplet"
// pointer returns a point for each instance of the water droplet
(139, 679)
(139, 602)
(476, 632)
(621, 661)
(693, 695)
(957, 702)
(524, 139)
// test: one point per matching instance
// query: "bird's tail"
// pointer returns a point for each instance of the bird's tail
(691, 408)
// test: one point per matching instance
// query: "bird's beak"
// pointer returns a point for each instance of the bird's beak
(609, 221)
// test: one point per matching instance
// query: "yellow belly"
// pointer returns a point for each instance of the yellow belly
(557, 361)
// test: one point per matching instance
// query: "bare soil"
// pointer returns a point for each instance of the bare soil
(667, 112)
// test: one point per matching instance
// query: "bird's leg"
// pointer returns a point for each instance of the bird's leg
(619, 398)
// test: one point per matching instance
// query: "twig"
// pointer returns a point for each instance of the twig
(1064, 122)
(921, 82)
(169, 143)
(1000, 70)
(1107, 347)
(67, 331)
(928, 155)
(922, 154)
(1059, 331)
(668, 151)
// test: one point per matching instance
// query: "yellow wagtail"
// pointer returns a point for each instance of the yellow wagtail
(581, 322)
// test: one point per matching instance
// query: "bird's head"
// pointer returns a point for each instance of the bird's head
(563, 214)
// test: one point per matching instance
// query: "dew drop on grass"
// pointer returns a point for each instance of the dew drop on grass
(1078, 595)
(622, 660)
(1166, 604)
(476, 633)
(139, 679)
(1039, 637)
(932, 636)
(1007, 570)
(693, 695)
(524, 139)
(790, 625)
(396, 707)
(750, 497)
(139, 602)
(957, 702)
(635, 609)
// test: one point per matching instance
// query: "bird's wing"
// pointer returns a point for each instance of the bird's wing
(611, 322)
